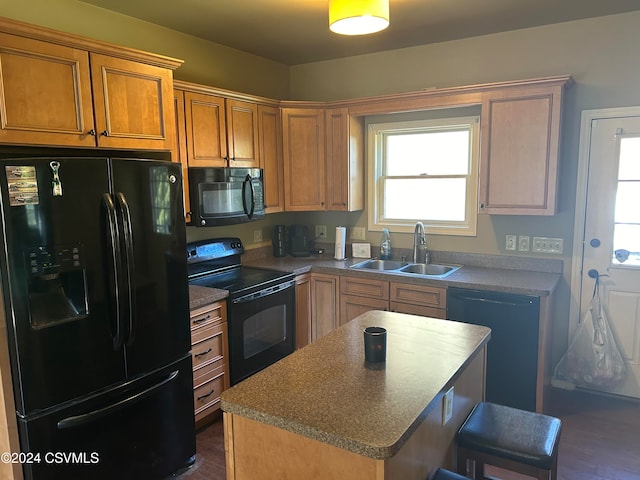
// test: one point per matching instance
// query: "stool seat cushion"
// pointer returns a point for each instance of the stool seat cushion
(442, 474)
(525, 437)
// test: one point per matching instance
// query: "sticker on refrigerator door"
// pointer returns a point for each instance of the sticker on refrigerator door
(22, 185)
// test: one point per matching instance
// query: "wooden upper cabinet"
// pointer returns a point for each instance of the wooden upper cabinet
(206, 130)
(46, 93)
(242, 133)
(221, 132)
(270, 153)
(344, 161)
(303, 132)
(63, 90)
(180, 150)
(520, 148)
(133, 104)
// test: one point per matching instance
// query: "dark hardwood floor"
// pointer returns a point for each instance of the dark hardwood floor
(600, 441)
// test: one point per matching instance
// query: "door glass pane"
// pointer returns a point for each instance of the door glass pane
(626, 236)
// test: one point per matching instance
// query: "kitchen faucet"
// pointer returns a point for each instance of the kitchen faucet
(419, 239)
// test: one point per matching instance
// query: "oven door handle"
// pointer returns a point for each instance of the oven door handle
(265, 292)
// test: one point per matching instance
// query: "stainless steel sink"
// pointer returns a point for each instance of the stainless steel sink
(379, 265)
(431, 270)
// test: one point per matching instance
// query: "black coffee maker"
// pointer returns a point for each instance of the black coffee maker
(279, 241)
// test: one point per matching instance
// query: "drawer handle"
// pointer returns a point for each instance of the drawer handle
(202, 354)
(206, 395)
(198, 320)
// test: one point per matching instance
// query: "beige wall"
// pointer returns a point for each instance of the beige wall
(204, 62)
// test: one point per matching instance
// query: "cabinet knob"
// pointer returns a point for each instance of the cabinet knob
(105, 133)
(92, 132)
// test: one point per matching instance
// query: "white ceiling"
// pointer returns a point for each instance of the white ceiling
(296, 31)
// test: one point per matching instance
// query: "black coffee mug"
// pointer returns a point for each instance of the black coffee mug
(375, 344)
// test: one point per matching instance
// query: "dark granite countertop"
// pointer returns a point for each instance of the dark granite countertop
(484, 272)
(331, 395)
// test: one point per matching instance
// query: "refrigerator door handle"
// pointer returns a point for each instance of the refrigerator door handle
(79, 420)
(125, 214)
(114, 253)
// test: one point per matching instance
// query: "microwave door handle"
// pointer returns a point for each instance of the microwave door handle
(248, 180)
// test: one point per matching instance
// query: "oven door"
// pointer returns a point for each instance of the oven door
(261, 329)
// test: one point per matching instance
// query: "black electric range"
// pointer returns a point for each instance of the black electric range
(216, 263)
(260, 307)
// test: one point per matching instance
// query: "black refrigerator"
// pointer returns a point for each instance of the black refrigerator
(95, 298)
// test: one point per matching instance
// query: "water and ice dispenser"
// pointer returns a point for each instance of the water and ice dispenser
(57, 284)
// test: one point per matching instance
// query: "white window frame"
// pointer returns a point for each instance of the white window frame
(375, 162)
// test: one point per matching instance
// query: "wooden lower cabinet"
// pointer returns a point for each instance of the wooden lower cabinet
(359, 295)
(209, 340)
(303, 310)
(418, 299)
(325, 311)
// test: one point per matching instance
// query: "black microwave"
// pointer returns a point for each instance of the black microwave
(225, 196)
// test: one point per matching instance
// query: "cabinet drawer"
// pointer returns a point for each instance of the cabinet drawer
(208, 315)
(207, 394)
(422, 310)
(207, 344)
(364, 287)
(419, 295)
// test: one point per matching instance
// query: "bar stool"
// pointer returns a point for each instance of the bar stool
(510, 438)
(442, 474)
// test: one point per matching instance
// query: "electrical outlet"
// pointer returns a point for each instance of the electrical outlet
(257, 236)
(321, 231)
(447, 406)
(548, 245)
(510, 242)
(523, 243)
(357, 233)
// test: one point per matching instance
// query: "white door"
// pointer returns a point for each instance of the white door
(610, 236)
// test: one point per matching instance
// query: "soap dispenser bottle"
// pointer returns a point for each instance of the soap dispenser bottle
(385, 245)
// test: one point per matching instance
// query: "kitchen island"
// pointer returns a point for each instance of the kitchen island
(322, 412)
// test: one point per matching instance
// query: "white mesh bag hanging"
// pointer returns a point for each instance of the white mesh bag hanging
(593, 358)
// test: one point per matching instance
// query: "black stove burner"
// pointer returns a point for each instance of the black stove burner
(243, 280)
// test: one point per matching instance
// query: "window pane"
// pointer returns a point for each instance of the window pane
(425, 199)
(431, 153)
(627, 237)
(627, 202)
(629, 159)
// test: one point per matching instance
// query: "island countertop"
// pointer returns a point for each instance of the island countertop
(326, 392)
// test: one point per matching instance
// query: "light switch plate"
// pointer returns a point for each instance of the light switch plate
(361, 250)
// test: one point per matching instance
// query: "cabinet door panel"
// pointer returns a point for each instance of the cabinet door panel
(242, 133)
(45, 93)
(351, 306)
(270, 144)
(325, 293)
(304, 159)
(133, 104)
(206, 130)
(520, 138)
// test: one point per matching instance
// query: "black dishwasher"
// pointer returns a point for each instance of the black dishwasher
(512, 352)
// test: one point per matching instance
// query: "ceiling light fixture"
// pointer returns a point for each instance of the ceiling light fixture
(358, 17)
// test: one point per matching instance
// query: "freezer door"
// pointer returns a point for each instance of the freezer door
(55, 275)
(142, 430)
(148, 198)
